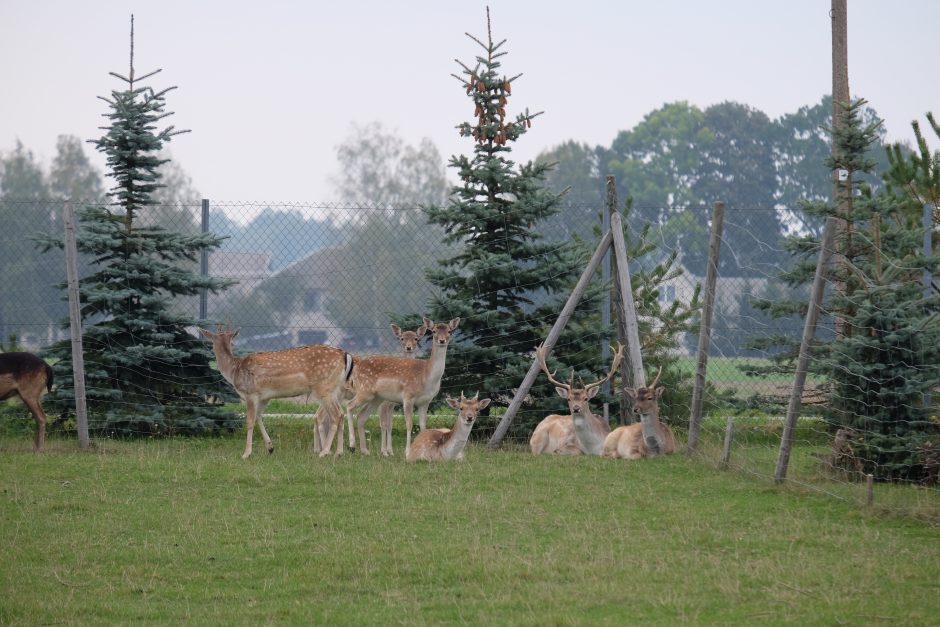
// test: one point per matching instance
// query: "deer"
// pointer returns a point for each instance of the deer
(318, 371)
(412, 382)
(409, 346)
(580, 432)
(439, 444)
(28, 377)
(628, 441)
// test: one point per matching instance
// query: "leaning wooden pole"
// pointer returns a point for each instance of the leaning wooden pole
(75, 326)
(705, 330)
(566, 312)
(626, 376)
(809, 332)
(631, 328)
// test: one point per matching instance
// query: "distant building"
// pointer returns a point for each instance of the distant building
(250, 269)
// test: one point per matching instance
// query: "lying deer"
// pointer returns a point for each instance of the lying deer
(412, 382)
(628, 442)
(28, 377)
(318, 371)
(435, 444)
(581, 432)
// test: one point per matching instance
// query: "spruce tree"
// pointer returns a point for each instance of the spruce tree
(494, 280)
(882, 366)
(146, 373)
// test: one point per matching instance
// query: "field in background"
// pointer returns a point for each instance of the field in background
(183, 530)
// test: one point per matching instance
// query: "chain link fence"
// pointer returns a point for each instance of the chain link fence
(340, 274)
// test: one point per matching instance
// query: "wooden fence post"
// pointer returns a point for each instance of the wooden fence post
(809, 331)
(726, 450)
(75, 326)
(705, 330)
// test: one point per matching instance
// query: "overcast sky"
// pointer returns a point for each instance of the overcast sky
(270, 88)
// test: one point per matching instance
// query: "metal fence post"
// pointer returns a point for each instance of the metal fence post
(204, 264)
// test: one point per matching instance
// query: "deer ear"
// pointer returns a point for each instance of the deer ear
(562, 392)
(420, 331)
(592, 392)
(453, 402)
(659, 391)
(396, 330)
(428, 322)
(483, 403)
(205, 333)
(453, 323)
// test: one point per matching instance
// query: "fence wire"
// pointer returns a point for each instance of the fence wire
(340, 274)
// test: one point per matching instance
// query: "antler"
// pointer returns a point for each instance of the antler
(656, 380)
(540, 356)
(618, 355)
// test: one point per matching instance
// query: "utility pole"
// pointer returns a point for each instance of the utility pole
(841, 180)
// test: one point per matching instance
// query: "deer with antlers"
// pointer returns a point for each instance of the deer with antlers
(28, 377)
(412, 382)
(317, 371)
(628, 442)
(436, 444)
(580, 432)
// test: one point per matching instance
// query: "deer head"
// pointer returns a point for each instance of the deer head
(646, 399)
(577, 397)
(409, 339)
(468, 408)
(440, 331)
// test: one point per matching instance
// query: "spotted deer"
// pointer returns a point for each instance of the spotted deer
(412, 382)
(628, 442)
(28, 377)
(317, 371)
(437, 444)
(580, 432)
(409, 347)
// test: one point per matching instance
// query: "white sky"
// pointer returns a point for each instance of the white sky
(270, 88)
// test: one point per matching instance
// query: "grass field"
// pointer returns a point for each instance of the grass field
(184, 531)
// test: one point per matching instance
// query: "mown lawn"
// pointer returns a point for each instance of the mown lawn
(184, 531)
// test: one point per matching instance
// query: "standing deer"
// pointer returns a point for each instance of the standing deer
(319, 371)
(409, 346)
(28, 377)
(581, 432)
(435, 444)
(628, 442)
(411, 382)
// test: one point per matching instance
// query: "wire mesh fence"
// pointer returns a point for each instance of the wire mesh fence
(340, 274)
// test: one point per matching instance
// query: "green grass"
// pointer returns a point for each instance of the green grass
(726, 371)
(184, 531)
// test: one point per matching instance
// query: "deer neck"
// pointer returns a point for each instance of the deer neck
(227, 362)
(435, 366)
(590, 431)
(456, 440)
(651, 436)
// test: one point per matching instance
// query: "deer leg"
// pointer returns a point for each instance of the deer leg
(264, 432)
(408, 409)
(251, 409)
(385, 422)
(317, 421)
(334, 418)
(36, 410)
(423, 417)
(352, 431)
(364, 412)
